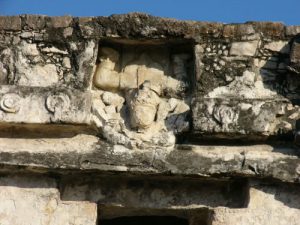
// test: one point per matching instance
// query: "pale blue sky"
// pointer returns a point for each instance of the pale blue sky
(226, 11)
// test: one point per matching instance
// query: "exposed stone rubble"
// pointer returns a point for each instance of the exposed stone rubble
(135, 115)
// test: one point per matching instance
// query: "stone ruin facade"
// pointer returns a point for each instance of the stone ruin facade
(134, 119)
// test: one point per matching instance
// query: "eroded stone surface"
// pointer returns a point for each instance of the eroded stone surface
(239, 117)
(41, 106)
(268, 204)
(141, 114)
(280, 163)
(34, 201)
(240, 79)
(278, 46)
(243, 48)
(153, 193)
(10, 22)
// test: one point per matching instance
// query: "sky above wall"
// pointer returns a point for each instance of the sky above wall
(226, 11)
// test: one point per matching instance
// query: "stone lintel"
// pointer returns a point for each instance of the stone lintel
(72, 155)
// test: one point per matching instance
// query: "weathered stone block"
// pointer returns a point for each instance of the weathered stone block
(232, 118)
(63, 150)
(269, 204)
(60, 21)
(36, 201)
(152, 193)
(87, 27)
(269, 29)
(278, 46)
(244, 48)
(10, 23)
(292, 30)
(237, 31)
(40, 64)
(207, 28)
(35, 22)
(295, 52)
(36, 105)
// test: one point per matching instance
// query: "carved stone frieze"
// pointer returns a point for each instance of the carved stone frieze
(151, 85)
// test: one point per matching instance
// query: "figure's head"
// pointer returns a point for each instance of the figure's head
(143, 106)
(152, 86)
(109, 53)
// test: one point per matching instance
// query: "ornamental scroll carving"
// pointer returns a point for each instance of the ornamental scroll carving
(10, 103)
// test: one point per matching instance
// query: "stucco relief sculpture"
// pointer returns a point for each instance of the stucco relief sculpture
(142, 68)
(57, 104)
(10, 103)
(139, 105)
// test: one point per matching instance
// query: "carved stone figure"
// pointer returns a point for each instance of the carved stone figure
(147, 118)
(142, 69)
(143, 104)
(137, 72)
(106, 78)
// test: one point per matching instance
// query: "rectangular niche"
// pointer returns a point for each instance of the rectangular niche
(124, 65)
(147, 196)
(143, 88)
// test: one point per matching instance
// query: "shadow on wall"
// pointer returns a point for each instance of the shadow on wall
(49, 131)
(28, 181)
(155, 193)
(277, 194)
(280, 73)
(276, 72)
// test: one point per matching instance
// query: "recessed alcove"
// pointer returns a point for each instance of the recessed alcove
(173, 58)
(132, 199)
(144, 88)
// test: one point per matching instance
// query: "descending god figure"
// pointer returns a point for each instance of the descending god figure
(148, 118)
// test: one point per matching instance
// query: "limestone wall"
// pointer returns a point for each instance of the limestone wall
(133, 115)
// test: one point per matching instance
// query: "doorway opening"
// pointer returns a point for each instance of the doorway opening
(145, 220)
